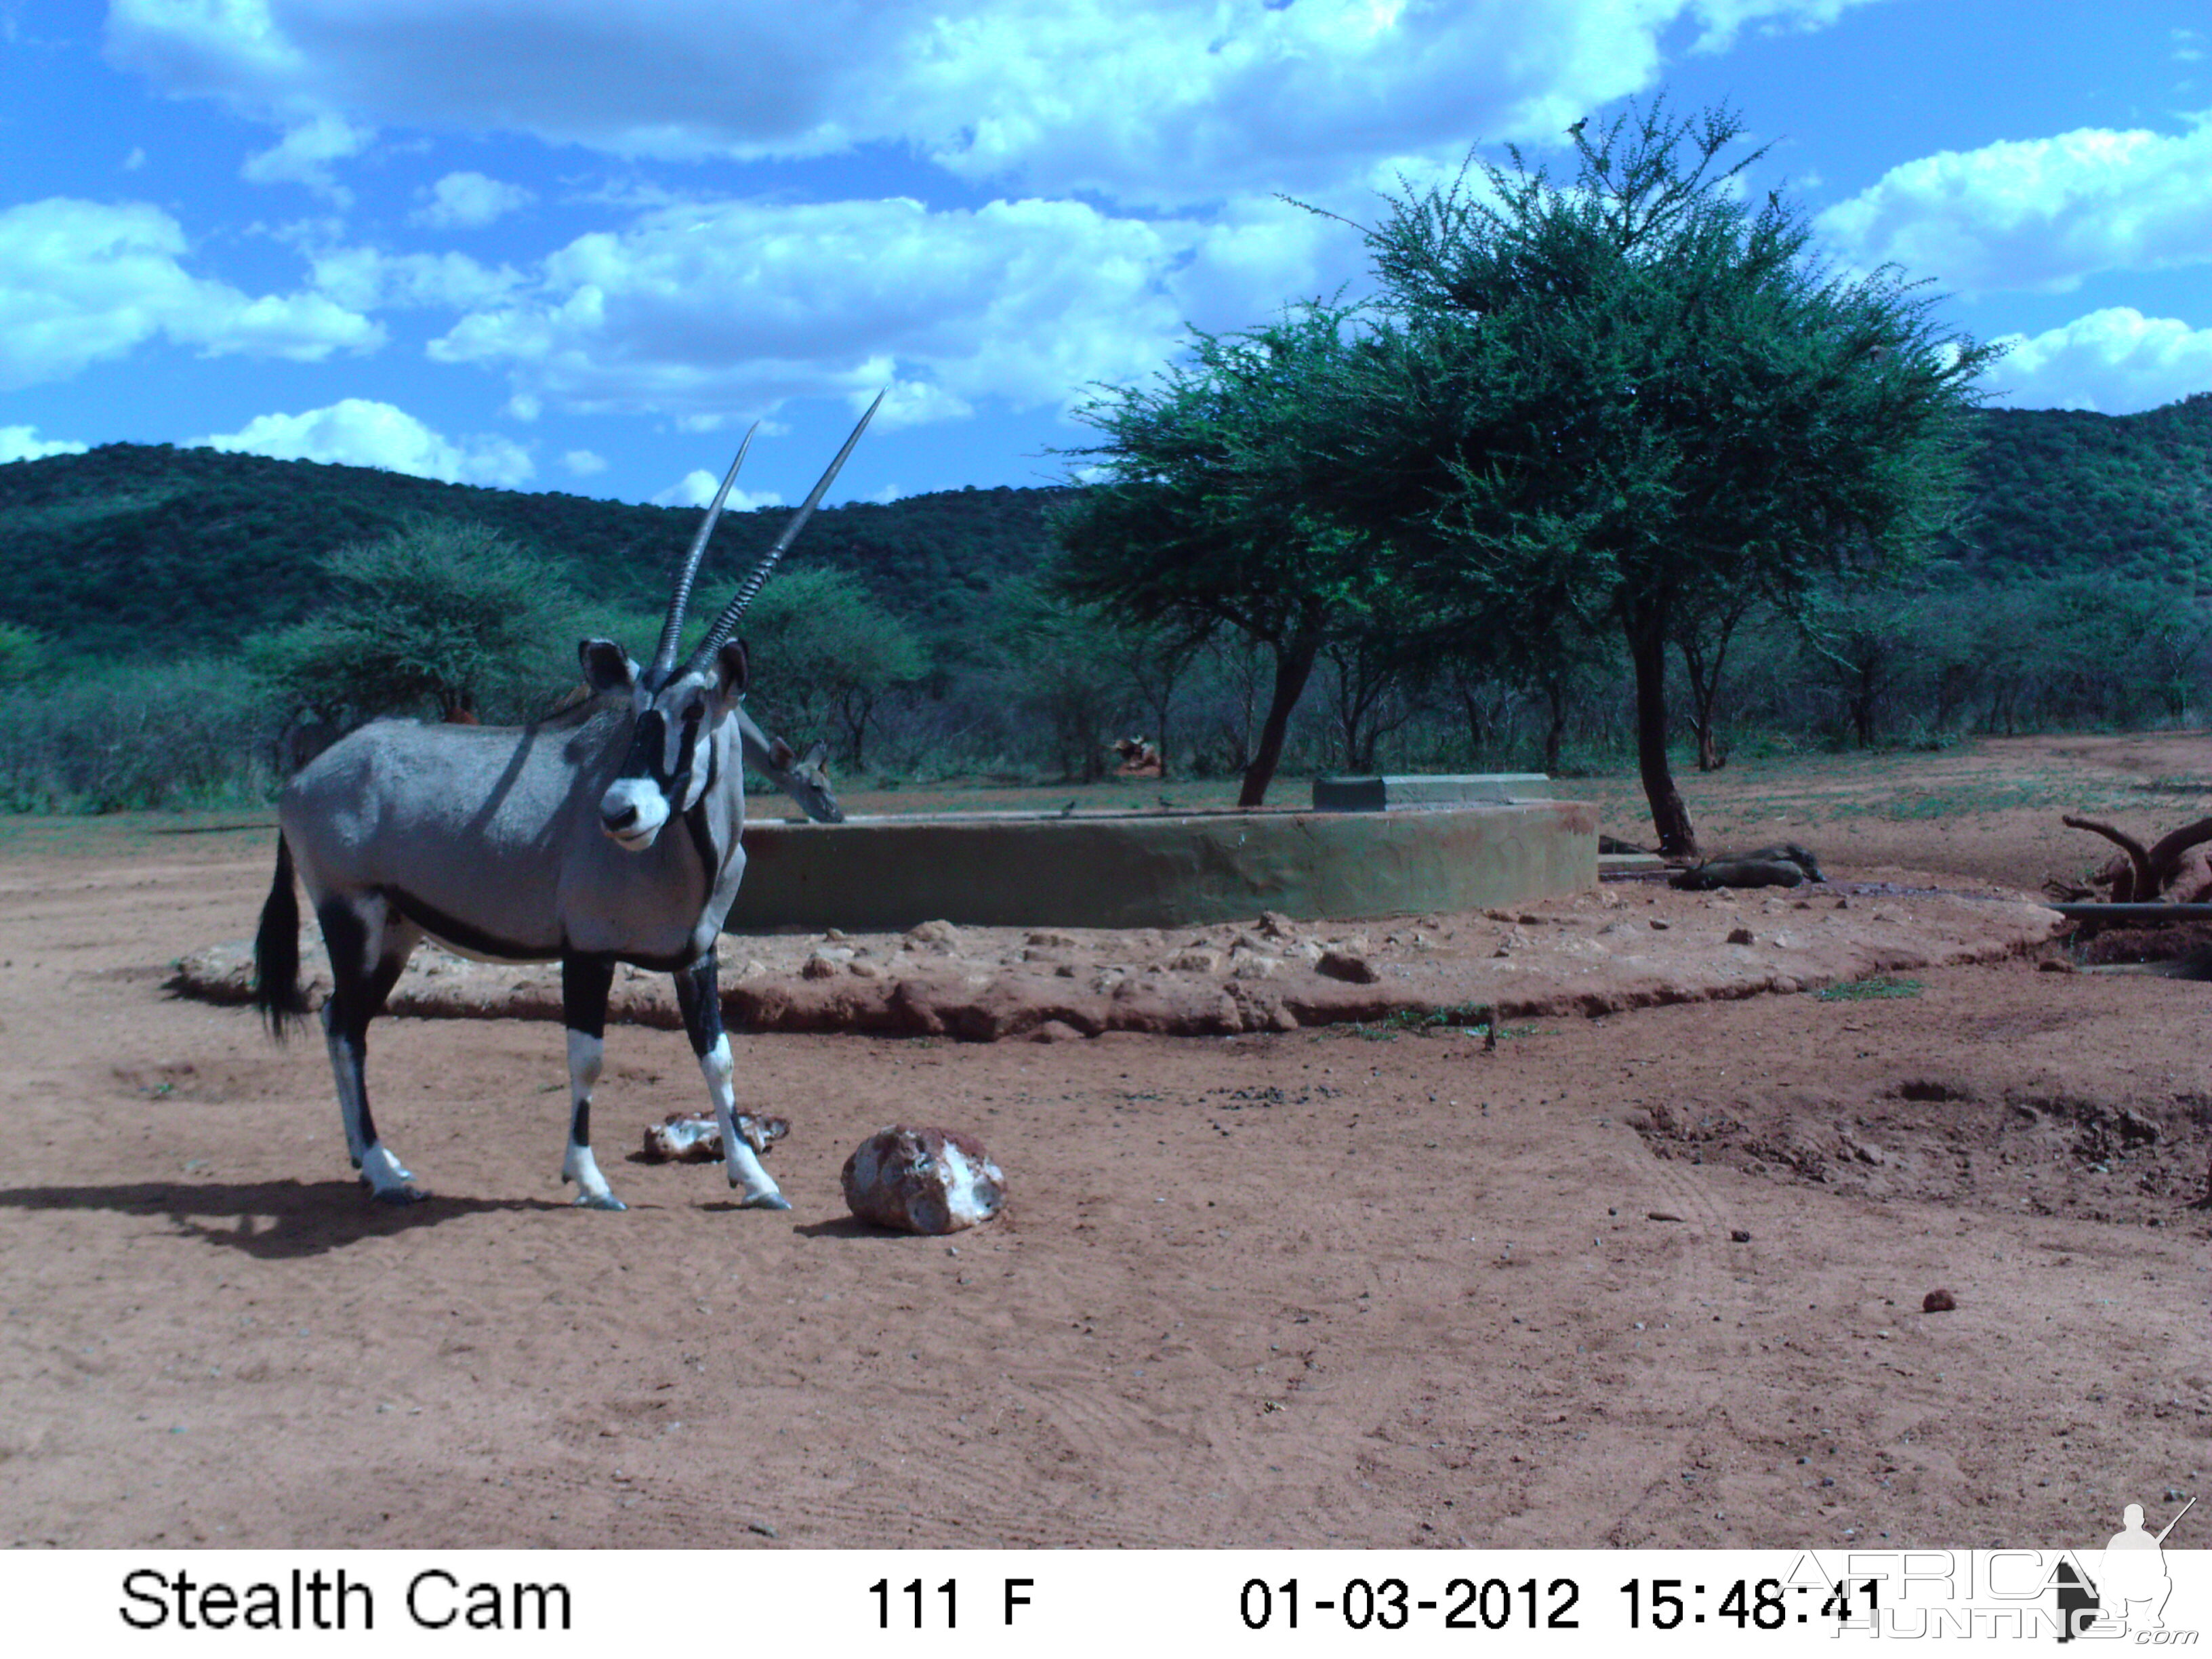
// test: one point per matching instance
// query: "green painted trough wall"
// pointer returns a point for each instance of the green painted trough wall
(1159, 869)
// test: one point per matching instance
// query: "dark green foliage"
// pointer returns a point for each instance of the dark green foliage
(1207, 518)
(146, 550)
(2059, 492)
(22, 654)
(138, 550)
(195, 733)
(2068, 596)
(826, 654)
(434, 619)
(1058, 665)
(1598, 402)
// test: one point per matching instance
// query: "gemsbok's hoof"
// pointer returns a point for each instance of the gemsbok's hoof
(764, 1201)
(601, 1201)
(399, 1197)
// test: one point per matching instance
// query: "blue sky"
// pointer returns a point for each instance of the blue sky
(566, 245)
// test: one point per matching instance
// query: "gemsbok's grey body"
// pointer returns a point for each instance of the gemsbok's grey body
(605, 835)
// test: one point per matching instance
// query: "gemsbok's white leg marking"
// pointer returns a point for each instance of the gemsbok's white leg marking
(742, 1166)
(586, 1054)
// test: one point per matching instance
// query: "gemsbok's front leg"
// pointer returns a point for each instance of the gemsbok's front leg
(695, 994)
(584, 984)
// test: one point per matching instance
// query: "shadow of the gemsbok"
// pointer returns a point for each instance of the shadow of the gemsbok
(269, 1219)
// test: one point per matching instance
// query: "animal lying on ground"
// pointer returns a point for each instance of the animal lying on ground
(1738, 872)
(1786, 852)
(1784, 866)
(533, 843)
(1139, 759)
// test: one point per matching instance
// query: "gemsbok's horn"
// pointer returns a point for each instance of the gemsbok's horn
(663, 655)
(726, 623)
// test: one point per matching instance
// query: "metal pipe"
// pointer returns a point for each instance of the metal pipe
(2134, 912)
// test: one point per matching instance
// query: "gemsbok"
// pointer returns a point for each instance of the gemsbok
(536, 843)
(805, 778)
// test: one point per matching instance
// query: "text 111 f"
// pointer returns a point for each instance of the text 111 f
(912, 1602)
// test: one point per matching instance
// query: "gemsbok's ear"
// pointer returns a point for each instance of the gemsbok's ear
(607, 666)
(736, 671)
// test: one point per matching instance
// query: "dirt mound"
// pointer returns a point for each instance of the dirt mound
(1630, 946)
(2128, 1157)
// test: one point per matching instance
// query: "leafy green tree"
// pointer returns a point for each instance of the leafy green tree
(1608, 394)
(826, 652)
(1376, 676)
(1060, 666)
(1201, 514)
(23, 654)
(1862, 647)
(1703, 627)
(436, 617)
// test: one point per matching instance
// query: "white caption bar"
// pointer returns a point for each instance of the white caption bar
(986, 1601)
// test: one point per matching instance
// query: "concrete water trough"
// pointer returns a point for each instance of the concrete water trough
(1164, 869)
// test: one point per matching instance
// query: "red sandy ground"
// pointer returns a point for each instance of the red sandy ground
(1332, 1285)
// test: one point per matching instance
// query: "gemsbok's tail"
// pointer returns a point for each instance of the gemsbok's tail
(276, 990)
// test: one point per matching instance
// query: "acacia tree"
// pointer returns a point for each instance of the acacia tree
(22, 654)
(1061, 664)
(437, 615)
(829, 653)
(1202, 516)
(1617, 393)
(1703, 632)
(1862, 647)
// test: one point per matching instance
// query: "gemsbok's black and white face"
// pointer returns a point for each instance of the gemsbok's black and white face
(672, 759)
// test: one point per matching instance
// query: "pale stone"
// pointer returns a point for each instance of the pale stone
(923, 1181)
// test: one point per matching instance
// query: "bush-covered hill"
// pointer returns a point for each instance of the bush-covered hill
(2064, 491)
(139, 550)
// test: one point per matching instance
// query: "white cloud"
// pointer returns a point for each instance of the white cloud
(2116, 360)
(717, 309)
(358, 432)
(84, 282)
(304, 156)
(697, 488)
(1722, 20)
(1157, 102)
(2039, 214)
(136, 160)
(583, 463)
(468, 201)
(367, 278)
(23, 443)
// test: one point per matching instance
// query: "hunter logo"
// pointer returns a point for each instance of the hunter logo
(2129, 1593)
(2119, 1594)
